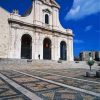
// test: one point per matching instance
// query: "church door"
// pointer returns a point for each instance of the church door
(47, 49)
(63, 51)
(26, 47)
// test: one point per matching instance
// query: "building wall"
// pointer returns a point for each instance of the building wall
(85, 55)
(12, 32)
(97, 56)
(4, 33)
(37, 43)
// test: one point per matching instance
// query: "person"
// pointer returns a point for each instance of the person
(39, 56)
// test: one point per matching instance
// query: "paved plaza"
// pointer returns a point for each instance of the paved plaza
(48, 84)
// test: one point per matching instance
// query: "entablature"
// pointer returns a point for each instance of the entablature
(19, 24)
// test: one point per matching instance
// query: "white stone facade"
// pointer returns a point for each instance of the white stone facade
(14, 26)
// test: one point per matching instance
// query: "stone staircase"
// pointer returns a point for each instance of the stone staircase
(42, 64)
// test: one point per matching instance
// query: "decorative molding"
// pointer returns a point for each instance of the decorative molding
(38, 26)
(47, 11)
(51, 3)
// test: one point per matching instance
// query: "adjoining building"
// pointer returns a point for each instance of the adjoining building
(84, 56)
(97, 56)
(37, 34)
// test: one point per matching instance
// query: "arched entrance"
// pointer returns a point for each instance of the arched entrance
(63, 51)
(47, 49)
(26, 47)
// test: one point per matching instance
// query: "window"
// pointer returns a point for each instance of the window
(46, 19)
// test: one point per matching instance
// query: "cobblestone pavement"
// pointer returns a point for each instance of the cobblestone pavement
(48, 90)
(91, 86)
(7, 92)
(74, 72)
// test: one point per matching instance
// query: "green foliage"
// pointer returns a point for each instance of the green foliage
(90, 62)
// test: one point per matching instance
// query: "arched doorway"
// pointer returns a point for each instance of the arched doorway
(47, 49)
(26, 47)
(63, 51)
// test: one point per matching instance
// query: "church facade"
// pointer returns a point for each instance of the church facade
(37, 34)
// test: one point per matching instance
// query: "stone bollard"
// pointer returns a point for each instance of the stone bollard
(59, 61)
(87, 74)
(90, 74)
(98, 74)
(29, 60)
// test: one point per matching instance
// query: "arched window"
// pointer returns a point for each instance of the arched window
(46, 19)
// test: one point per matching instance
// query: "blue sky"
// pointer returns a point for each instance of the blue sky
(82, 16)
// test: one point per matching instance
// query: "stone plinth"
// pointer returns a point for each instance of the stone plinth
(98, 74)
(90, 74)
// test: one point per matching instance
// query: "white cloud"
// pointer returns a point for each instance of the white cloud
(78, 41)
(88, 28)
(82, 8)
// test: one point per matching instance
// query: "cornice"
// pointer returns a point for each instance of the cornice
(53, 3)
(38, 26)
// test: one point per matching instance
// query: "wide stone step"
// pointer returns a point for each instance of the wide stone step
(24, 63)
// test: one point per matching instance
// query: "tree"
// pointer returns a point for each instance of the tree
(90, 62)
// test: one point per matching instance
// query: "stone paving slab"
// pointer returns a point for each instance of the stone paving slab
(75, 73)
(7, 92)
(52, 92)
(18, 87)
(46, 90)
(43, 73)
(95, 87)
